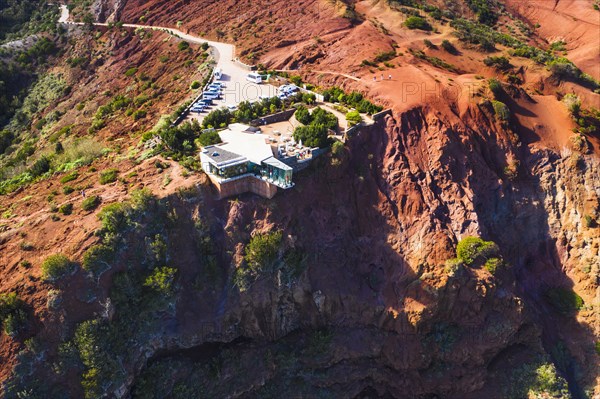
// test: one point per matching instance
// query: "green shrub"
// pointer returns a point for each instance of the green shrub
(415, 22)
(40, 167)
(429, 44)
(210, 137)
(295, 79)
(66, 209)
(114, 217)
(109, 176)
(262, 250)
(182, 46)
(353, 118)
(303, 115)
(313, 135)
(90, 203)
(385, 56)
(472, 249)
(55, 267)
(573, 104)
(139, 114)
(495, 86)
(565, 300)
(337, 148)
(195, 85)
(501, 110)
(326, 118)
(97, 259)
(181, 139)
(12, 313)
(536, 380)
(130, 72)
(162, 280)
(492, 265)
(499, 62)
(449, 47)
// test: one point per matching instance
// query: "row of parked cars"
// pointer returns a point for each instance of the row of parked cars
(213, 92)
(286, 91)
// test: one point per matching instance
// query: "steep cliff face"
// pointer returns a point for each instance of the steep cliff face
(376, 312)
(359, 299)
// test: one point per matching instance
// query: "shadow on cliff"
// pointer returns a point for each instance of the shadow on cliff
(513, 215)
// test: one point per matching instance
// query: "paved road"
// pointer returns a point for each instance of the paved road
(237, 88)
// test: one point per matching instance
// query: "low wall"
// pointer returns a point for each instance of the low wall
(380, 115)
(274, 118)
(351, 130)
(245, 66)
(244, 185)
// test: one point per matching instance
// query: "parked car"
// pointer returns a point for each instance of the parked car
(211, 96)
(218, 74)
(206, 101)
(198, 109)
(232, 107)
(220, 85)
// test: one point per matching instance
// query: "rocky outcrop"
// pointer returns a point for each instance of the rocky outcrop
(376, 231)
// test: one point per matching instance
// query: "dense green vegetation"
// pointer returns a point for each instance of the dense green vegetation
(499, 62)
(109, 176)
(353, 118)
(12, 313)
(19, 163)
(487, 38)
(484, 11)
(17, 74)
(475, 252)
(56, 266)
(21, 18)
(566, 301)
(501, 110)
(317, 124)
(414, 22)
(209, 137)
(262, 250)
(140, 228)
(471, 249)
(354, 100)
(90, 203)
(538, 380)
(179, 142)
(264, 255)
(245, 112)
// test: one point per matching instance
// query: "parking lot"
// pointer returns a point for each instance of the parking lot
(236, 88)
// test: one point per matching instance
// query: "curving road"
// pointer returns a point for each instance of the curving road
(237, 88)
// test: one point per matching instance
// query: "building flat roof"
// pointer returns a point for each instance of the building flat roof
(250, 145)
(241, 145)
(221, 156)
